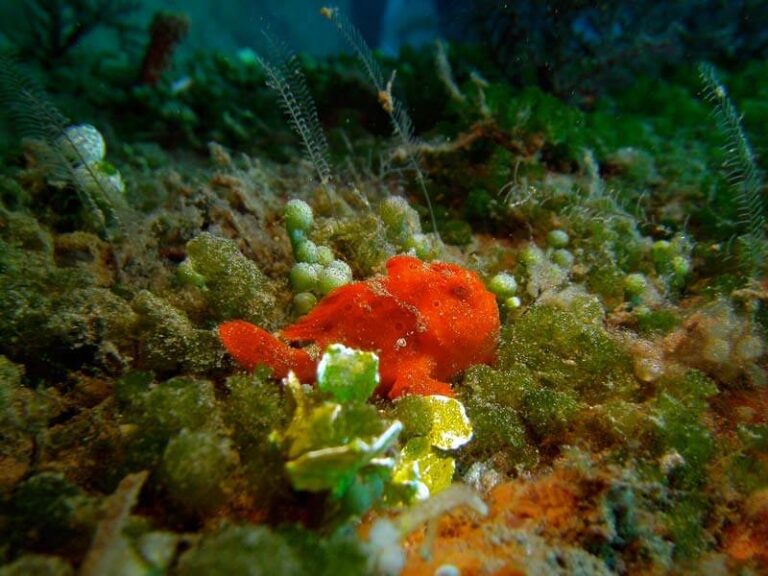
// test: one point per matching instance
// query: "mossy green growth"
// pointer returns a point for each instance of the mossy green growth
(686, 523)
(253, 407)
(37, 565)
(49, 511)
(195, 468)
(241, 551)
(164, 410)
(566, 347)
(256, 550)
(339, 553)
(362, 241)
(747, 468)
(534, 111)
(57, 316)
(400, 220)
(493, 400)
(236, 288)
(538, 273)
(678, 415)
(549, 412)
(500, 433)
(660, 321)
(24, 411)
(10, 387)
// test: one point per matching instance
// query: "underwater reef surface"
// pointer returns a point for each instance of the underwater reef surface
(610, 249)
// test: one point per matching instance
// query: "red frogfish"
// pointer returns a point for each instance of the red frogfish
(426, 321)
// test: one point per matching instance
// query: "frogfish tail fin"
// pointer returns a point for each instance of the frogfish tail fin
(251, 346)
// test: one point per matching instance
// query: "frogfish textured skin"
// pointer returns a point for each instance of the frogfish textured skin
(426, 321)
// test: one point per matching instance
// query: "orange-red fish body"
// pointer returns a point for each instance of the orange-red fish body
(426, 321)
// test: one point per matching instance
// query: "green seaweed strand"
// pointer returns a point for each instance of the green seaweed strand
(740, 170)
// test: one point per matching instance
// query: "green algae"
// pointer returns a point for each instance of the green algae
(172, 342)
(244, 550)
(194, 469)
(241, 550)
(349, 376)
(235, 287)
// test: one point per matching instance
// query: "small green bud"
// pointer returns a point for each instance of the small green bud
(681, 266)
(512, 303)
(530, 256)
(563, 258)
(393, 211)
(324, 255)
(661, 254)
(298, 215)
(304, 277)
(558, 238)
(303, 302)
(306, 251)
(296, 237)
(635, 284)
(423, 246)
(503, 285)
(188, 276)
(333, 276)
(342, 267)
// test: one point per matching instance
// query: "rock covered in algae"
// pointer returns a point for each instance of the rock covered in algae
(154, 413)
(37, 565)
(235, 286)
(255, 550)
(195, 468)
(55, 310)
(241, 550)
(170, 341)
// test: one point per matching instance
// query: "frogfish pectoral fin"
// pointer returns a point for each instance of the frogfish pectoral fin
(251, 346)
(414, 377)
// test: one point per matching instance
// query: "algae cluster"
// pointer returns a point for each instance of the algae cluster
(623, 427)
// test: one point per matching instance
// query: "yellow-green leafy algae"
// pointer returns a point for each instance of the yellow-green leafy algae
(434, 425)
(338, 444)
(328, 445)
(348, 375)
(235, 287)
